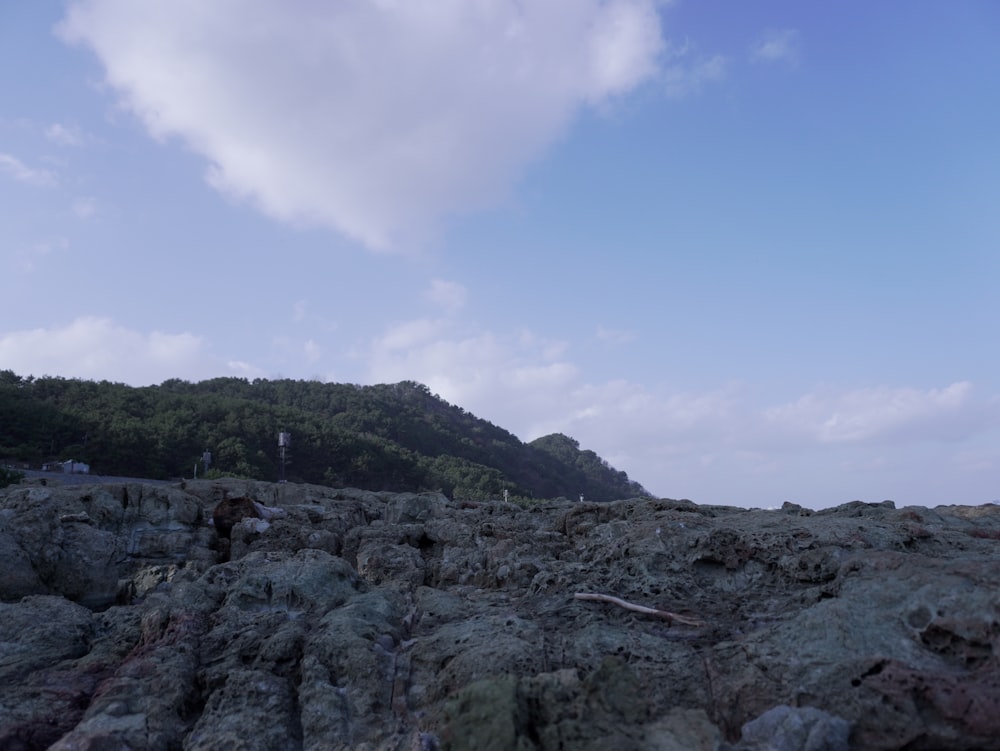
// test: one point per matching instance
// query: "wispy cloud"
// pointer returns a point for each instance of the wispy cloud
(776, 46)
(615, 336)
(85, 207)
(405, 113)
(684, 78)
(31, 257)
(304, 314)
(243, 369)
(451, 296)
(25, 174)
(64, 135)
(312, 351)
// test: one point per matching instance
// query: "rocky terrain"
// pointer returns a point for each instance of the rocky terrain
(345, 619)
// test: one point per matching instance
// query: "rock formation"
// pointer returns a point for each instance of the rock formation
(355, 620)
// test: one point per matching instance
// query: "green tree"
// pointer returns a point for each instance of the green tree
(10, 477)
(384, 437)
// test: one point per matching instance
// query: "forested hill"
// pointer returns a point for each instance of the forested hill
(398, 437)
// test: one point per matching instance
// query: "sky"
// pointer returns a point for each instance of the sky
(748, 252)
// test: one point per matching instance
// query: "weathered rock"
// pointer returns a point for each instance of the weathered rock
(785, 728)
(45, 683)
(84, 543)
(345, 619)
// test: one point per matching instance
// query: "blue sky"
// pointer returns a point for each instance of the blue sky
(747, 252)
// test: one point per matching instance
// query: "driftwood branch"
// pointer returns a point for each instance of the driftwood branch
(663, 614)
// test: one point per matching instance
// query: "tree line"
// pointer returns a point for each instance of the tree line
(397, 437)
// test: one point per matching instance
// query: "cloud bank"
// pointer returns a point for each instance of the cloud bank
(375, 118)
(702, 444)
(95, 348)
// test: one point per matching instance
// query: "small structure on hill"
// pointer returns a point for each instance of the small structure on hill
(70, 467)
(284, 443)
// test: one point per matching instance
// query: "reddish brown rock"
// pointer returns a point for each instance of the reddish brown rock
(230, 512)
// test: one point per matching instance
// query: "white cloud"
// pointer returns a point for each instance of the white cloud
(547, 349)
(525, 383)
(97, 348)
(625, 46)
(448, 295)
(64, 135)
(776, 46)
(407, 336)
(681, 79)
(629, 419)
(376, 118)
(881, 414)
(615, 336)
(478, 371)
(25, 174)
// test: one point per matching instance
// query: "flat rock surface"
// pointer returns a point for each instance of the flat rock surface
(346, 619)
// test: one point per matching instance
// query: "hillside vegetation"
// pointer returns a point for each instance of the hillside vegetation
(397, 437)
